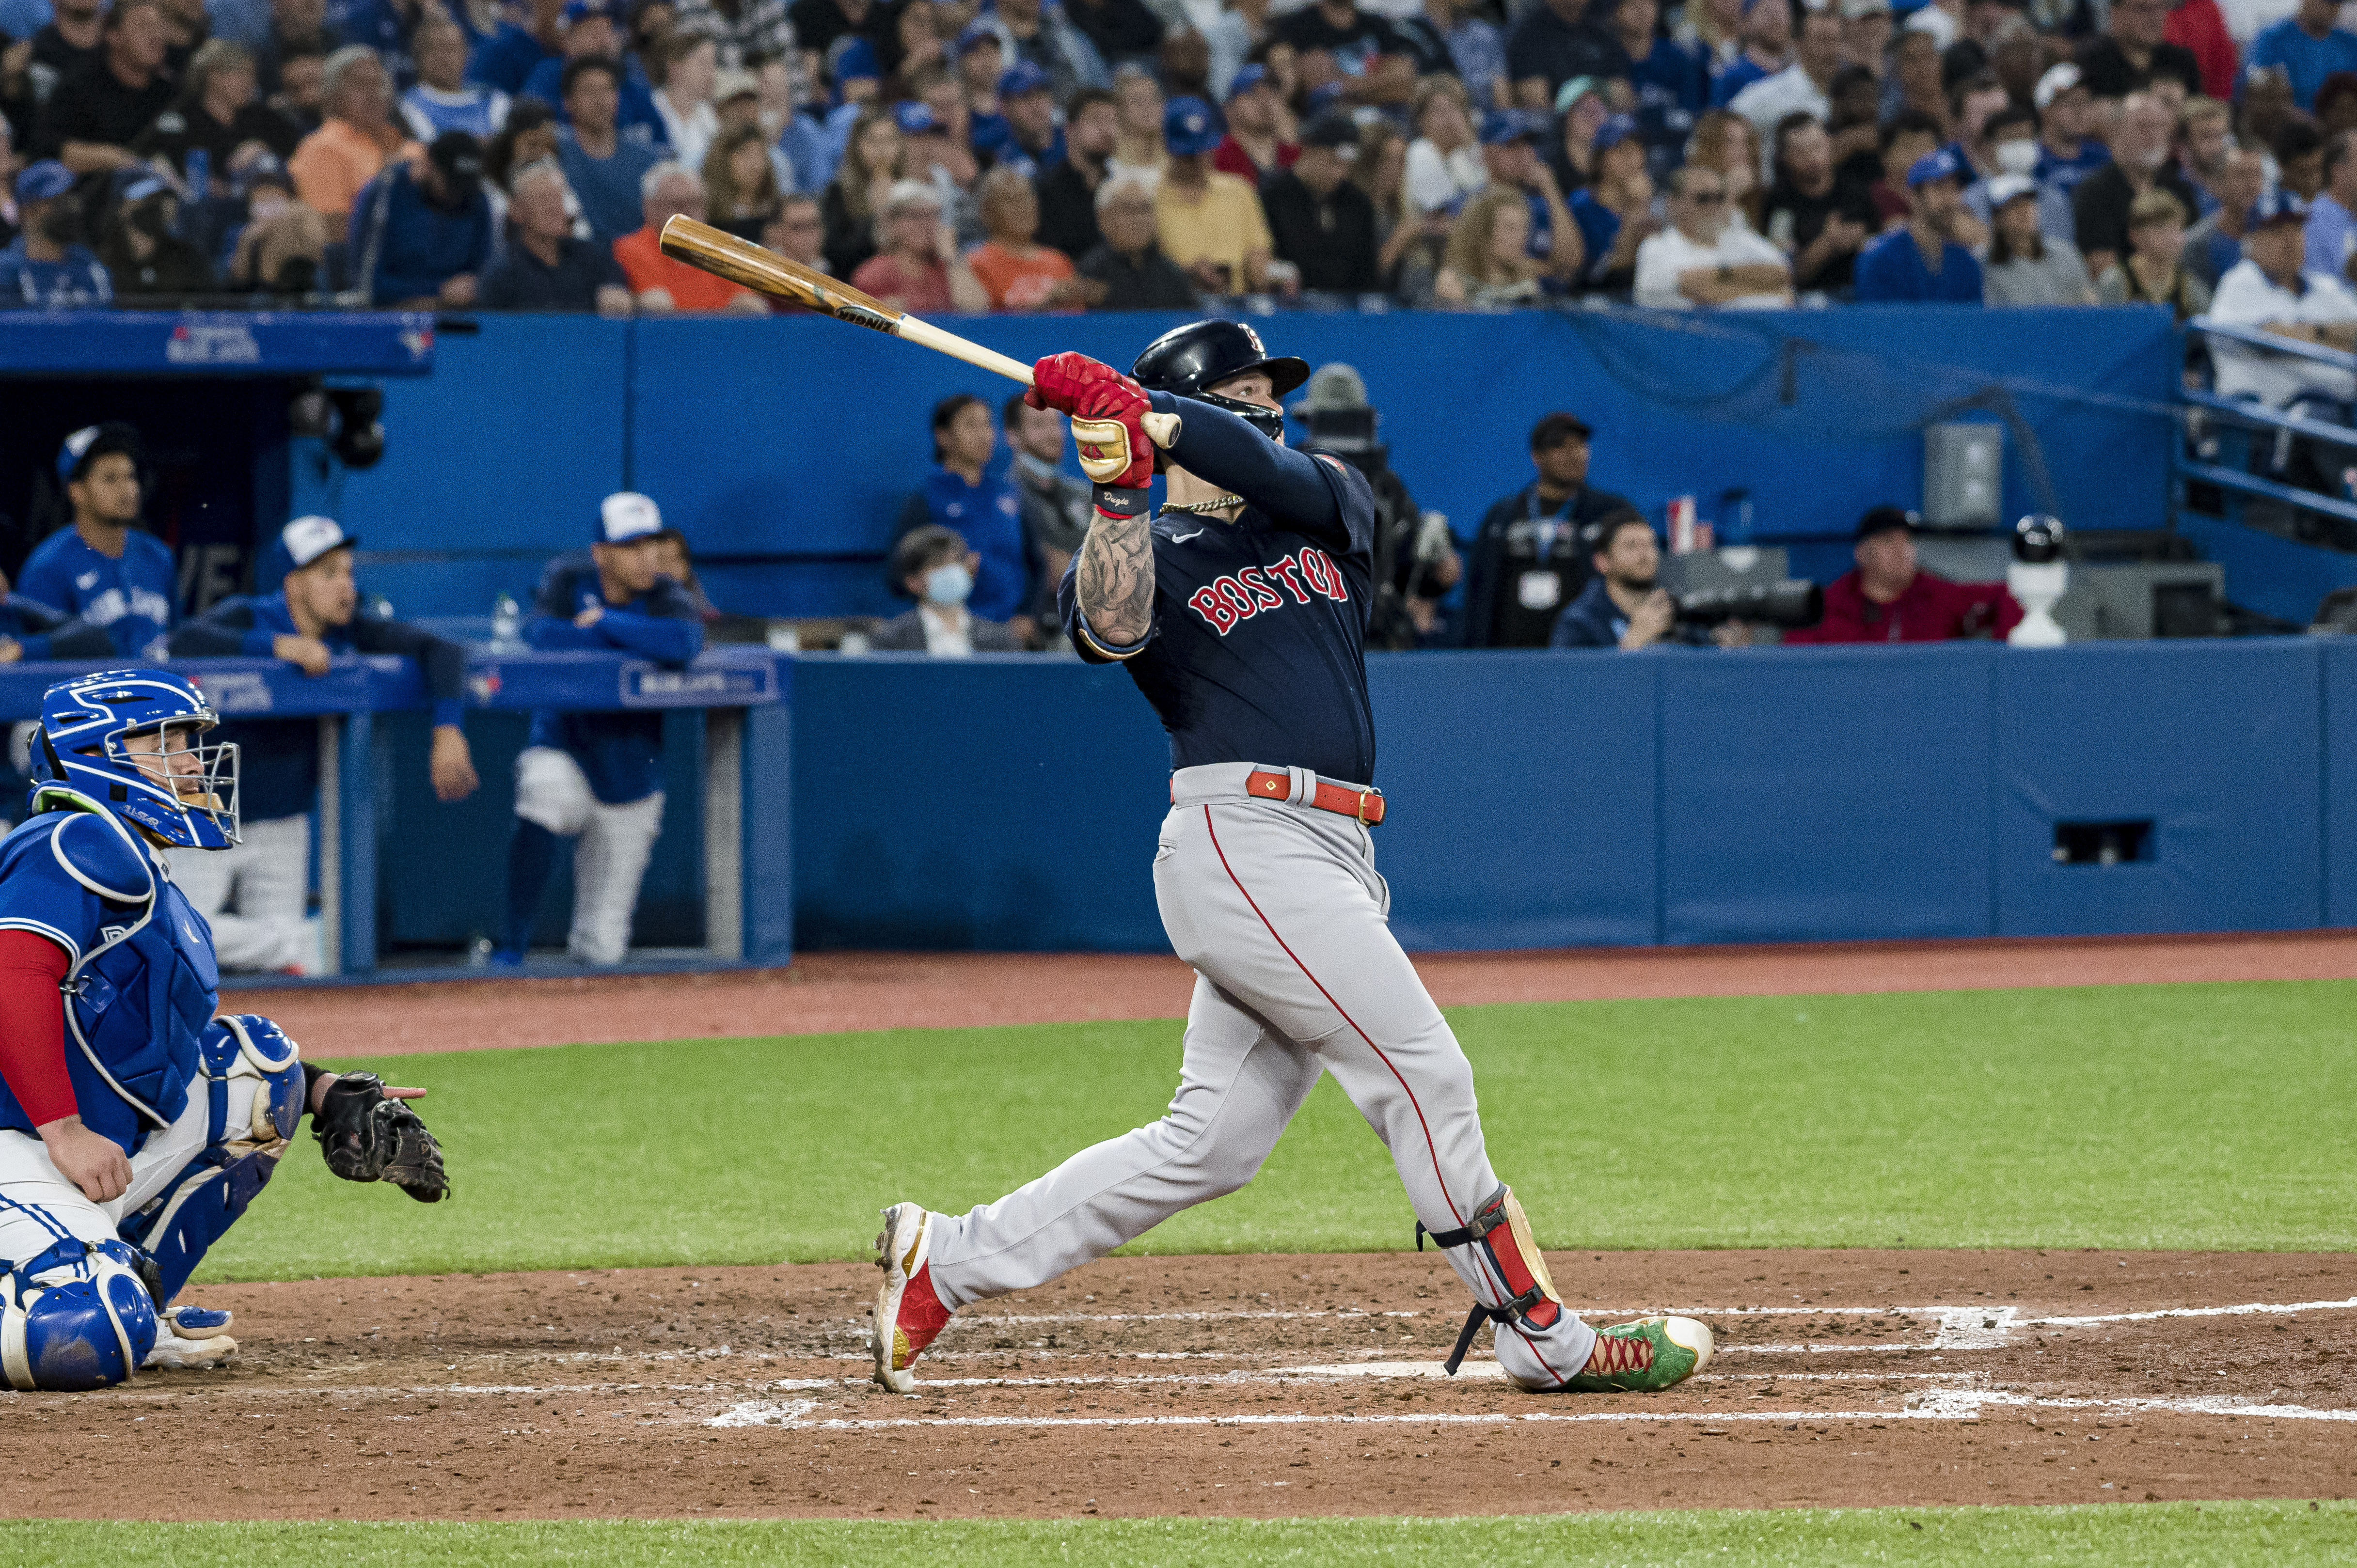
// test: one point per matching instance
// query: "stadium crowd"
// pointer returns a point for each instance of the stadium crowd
(1066, 154)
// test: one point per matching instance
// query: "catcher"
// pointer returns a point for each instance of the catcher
(135, 1125)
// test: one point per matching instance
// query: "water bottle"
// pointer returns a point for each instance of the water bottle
(200, 172)
(507, 624)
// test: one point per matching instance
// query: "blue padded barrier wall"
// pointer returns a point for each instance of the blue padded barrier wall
(1525, 794)
(1000, 803)
(2340, 722)
(1822, 793)
(796, 440)
(499, 460)
(2215, 743)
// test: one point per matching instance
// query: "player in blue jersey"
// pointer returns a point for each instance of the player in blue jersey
(597, 777)
(1241, 613)
(136, 1126)
(255, 894)
(105, 569)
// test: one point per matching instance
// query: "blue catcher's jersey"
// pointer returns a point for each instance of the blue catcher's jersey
(1256, 652)
(84, 881)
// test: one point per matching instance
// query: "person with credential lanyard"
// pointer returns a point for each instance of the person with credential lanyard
(1527, 561)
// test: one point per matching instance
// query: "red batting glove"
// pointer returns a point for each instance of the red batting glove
(1108, 411)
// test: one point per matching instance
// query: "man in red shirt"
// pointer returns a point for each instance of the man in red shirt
(1887, 599)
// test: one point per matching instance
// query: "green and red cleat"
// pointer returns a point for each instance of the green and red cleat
(1645, 1357)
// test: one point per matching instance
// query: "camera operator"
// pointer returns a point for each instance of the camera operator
(1887, 599)
(1622, 605)
(1527, 555)
(1414, 564)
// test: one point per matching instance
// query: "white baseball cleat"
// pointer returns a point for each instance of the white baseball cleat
(909, 1316)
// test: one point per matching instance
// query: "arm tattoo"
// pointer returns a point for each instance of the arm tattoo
(1114, 582)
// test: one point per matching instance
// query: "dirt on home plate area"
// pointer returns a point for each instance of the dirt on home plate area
(1261, 1386)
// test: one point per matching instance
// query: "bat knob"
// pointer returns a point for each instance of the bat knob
(1162, 428)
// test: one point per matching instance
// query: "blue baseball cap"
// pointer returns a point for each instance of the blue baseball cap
(2277, 206)
(852, 58)
(1023, 77)
(1501, 126)
(972, 36)
(1615, 130)
(915, 119)
(1244, 81)
(582, 10)
(91, 443)
(42, 180)
(1941, 165)
(1189, 127)
(625, 515)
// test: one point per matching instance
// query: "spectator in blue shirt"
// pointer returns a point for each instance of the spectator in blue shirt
(968, 493)
(1921, 260)
(423, 231)
(590, 33)
(1672, 80)
(505, 60)
(546, 266)
(104, 569)
(444, 100)
(597, 776)
(602, 164)
(2307, 46)
(48, 267)
(1767, 49)
(253, 894)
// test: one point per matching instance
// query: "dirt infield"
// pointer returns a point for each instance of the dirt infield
(824, 993)
(1232, 1386)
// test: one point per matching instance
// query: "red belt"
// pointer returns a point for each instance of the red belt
(1360, 805)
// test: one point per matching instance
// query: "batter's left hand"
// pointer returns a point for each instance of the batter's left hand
(1108, 411)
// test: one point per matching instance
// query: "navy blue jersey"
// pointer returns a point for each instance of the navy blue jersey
(620, 753)
(1256, 653)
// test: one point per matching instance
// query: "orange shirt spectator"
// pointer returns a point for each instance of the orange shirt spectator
(355, 141)
(659, 284)
(1017, 271)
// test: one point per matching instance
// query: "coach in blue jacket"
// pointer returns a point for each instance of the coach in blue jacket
(255, 892)
(597, 776)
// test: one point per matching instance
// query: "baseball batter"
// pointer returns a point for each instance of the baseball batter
(1240, 612)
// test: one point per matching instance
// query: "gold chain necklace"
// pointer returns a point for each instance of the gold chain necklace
(1217, 504)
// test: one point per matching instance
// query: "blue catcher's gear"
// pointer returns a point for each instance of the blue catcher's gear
(78, 1316)
(254, 1084)
(84, 724)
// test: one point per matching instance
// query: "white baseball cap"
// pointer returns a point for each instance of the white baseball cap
(308, 538)
(1856, 10)
(2058, 80)
(625, 515)
(2007, 187)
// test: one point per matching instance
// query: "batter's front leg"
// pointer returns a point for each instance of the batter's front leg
(1303, 940)
(1239, 1085)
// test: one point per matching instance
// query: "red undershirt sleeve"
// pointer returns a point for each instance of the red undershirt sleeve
(33, 1026)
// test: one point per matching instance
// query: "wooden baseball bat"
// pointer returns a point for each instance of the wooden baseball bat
(723, 254)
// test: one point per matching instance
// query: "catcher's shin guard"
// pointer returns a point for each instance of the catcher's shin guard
(1513, 1259)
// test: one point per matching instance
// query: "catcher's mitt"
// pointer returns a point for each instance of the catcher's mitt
(369, 1137)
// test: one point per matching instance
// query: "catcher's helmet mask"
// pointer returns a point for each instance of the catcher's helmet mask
(1190, 361)
(84, 722)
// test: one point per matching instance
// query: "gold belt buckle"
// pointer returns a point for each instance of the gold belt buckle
(1364, 795)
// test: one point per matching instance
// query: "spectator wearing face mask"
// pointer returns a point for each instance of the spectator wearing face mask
(2011, 141)
(935, 567)
(968, 492)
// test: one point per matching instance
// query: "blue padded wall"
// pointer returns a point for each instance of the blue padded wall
(1001, 802)
(1523, 785)
(1826, 793)
(2340, 815)
(2216, 742)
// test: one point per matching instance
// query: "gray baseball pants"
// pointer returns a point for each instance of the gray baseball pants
(1278, 907)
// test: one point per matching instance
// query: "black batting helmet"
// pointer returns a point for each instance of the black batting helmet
(1190, 361)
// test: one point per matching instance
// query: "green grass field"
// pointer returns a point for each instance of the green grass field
(2192, 1116)
(2158, 1533)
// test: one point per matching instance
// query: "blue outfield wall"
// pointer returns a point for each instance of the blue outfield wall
(796, 440)
(1550, 800)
